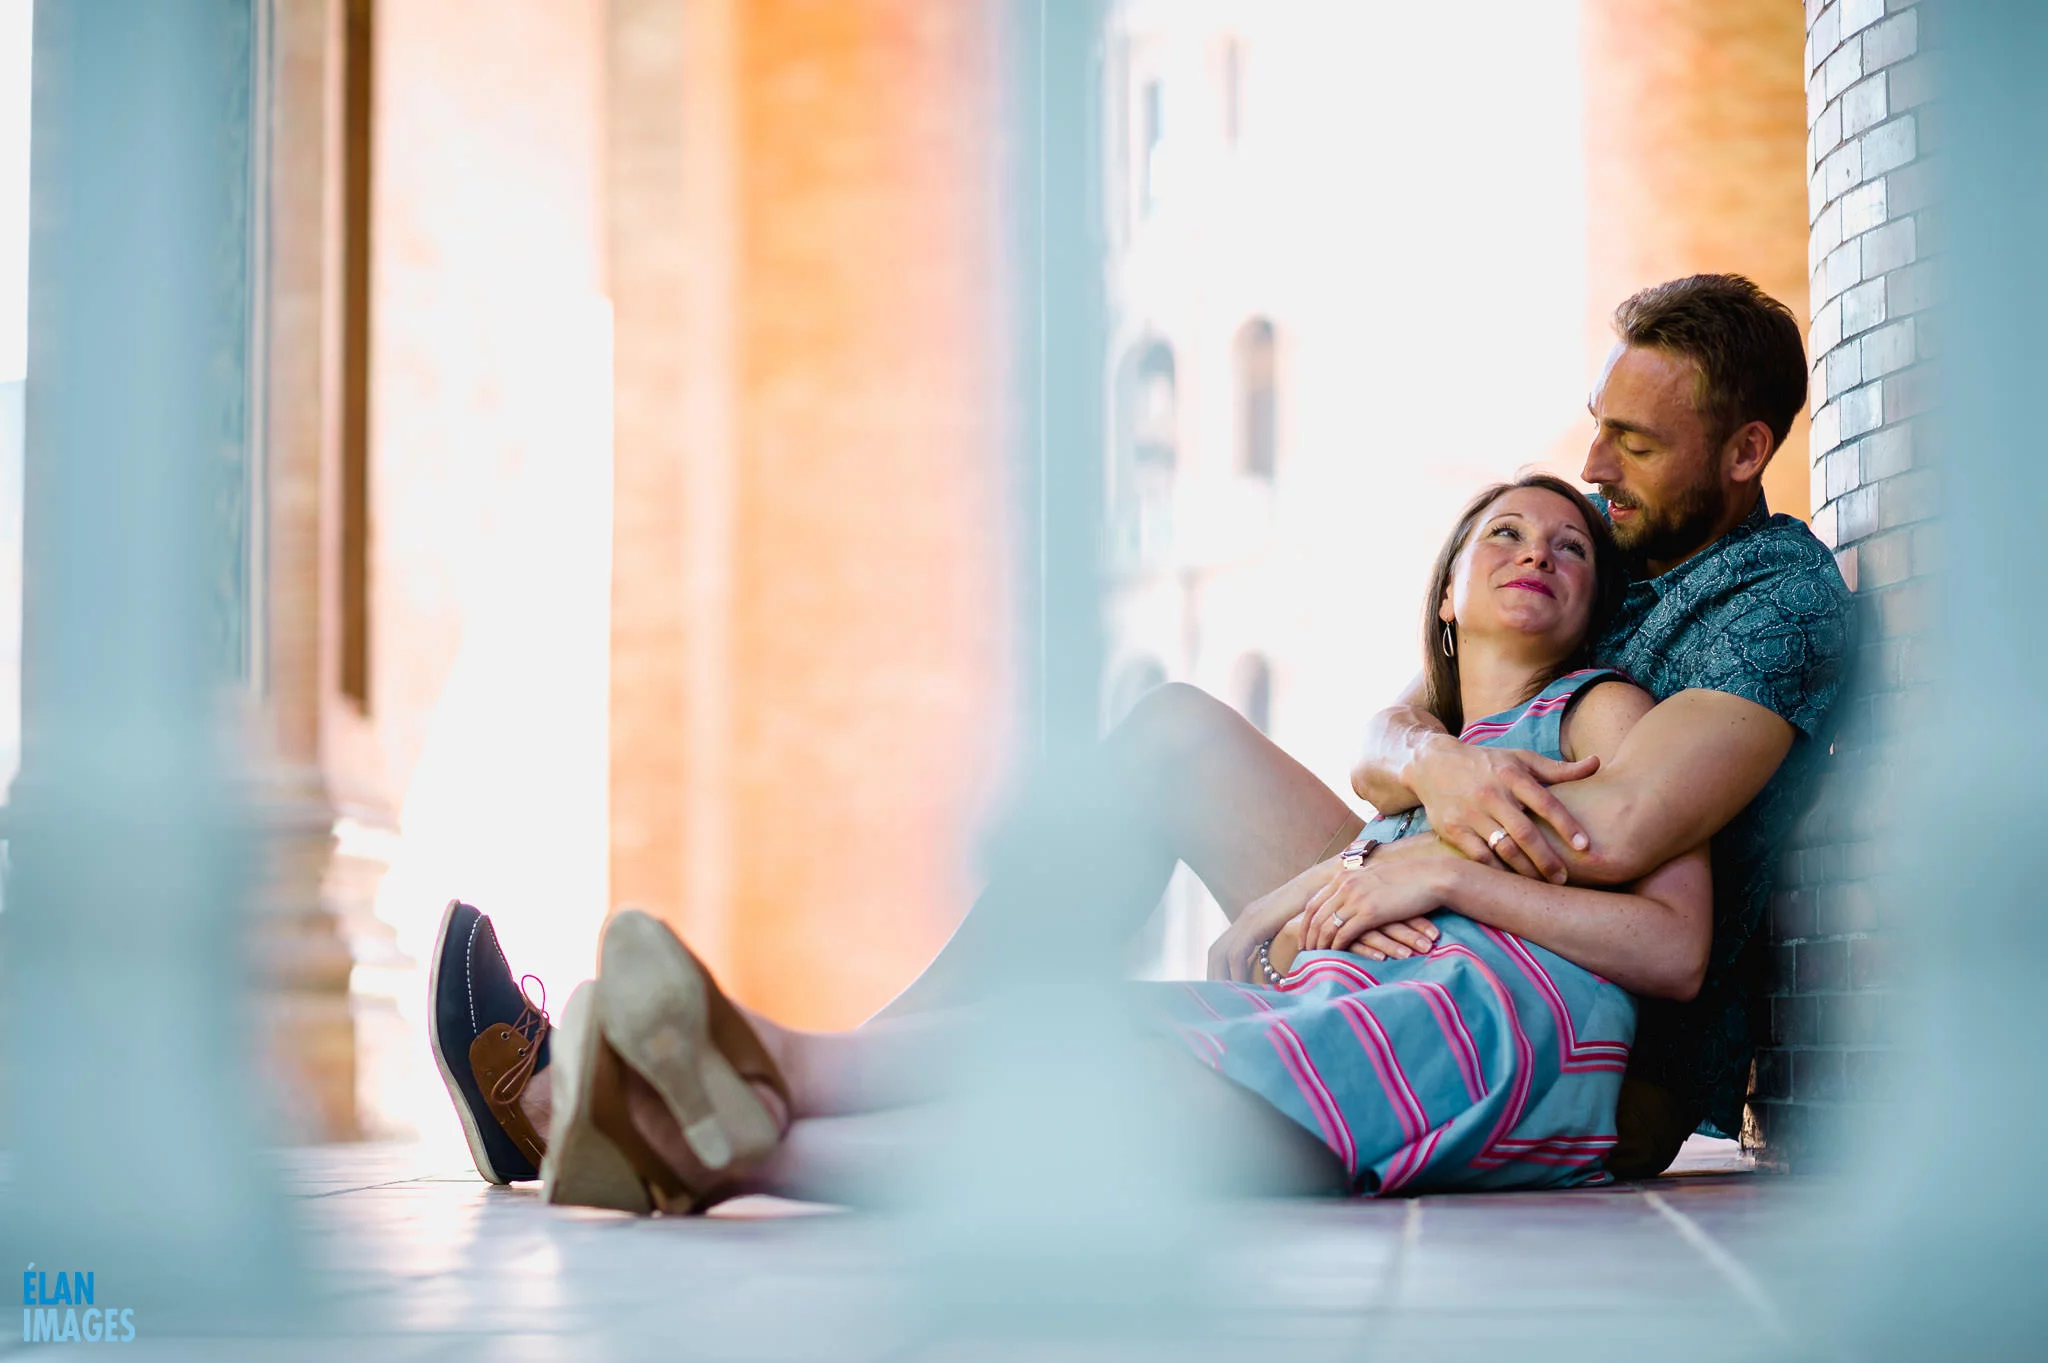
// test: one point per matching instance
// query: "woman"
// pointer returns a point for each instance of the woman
(1482, 1046)
(1489, 1052)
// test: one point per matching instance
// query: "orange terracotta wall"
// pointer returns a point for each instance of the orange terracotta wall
(808, 605)
(1696, 137)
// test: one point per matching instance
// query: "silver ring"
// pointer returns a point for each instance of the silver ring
(1493, 839)
(1336, 920)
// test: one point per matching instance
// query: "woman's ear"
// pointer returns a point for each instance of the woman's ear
(1445, 611)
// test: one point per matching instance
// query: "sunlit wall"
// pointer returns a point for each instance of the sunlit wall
(1399, 192)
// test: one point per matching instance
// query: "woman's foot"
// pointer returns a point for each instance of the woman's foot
(657, 1126)
(668, 1079)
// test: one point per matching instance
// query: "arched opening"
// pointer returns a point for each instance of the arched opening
(1153, 409)
(1257, 405)
(1148, 453)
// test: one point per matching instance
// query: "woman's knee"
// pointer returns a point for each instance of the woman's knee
(1176, 718)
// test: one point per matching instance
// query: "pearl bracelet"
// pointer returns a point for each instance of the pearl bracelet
(1266, 963)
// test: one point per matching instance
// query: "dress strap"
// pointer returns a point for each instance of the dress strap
(1538, 723)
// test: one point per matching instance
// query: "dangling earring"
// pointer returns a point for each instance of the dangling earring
(1450, 641)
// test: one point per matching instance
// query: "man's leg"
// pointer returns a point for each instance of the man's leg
(1651, 1123)
(1201, 785)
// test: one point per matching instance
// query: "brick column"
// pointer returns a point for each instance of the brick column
(1867, 92)
(810, 615)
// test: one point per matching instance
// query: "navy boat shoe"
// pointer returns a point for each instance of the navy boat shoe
(489, 1040)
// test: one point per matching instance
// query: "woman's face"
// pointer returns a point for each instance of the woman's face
(1525, 573)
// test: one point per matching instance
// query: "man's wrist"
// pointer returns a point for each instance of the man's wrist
(1424, 747)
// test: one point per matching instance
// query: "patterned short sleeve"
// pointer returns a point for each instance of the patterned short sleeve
(1778, 635)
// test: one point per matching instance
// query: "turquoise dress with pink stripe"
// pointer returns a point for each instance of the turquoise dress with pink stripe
(1491, 1062)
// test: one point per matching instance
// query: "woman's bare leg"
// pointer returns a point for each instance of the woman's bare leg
(890, 1063)
(1203, 786)
(867, 1158)
(887, 1064)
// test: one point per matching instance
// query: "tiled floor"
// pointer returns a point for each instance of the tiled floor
(424, 1261)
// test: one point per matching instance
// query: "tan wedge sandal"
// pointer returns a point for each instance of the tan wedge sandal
(662, 1015)
(596, 1155)
(585, 1166)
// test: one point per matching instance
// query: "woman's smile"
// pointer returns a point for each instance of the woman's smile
(1530, 584)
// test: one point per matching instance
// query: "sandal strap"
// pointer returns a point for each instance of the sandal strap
(690, 1188)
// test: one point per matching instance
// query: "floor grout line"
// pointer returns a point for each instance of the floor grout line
(368, 1187)
(1726, 1264)
(1404, 1250)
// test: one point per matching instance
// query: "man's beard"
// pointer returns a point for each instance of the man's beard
(1675, 531)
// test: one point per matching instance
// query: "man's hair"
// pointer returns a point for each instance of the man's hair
(1745, 345)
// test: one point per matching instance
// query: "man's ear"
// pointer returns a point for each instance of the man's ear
(1748, 451)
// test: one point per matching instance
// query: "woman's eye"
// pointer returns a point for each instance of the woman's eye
(1633, 450)
(1507, 530)
(1574, 547)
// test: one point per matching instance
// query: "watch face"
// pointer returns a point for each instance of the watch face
(1353, 860)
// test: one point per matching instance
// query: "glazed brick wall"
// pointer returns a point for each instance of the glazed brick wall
(1872, 134)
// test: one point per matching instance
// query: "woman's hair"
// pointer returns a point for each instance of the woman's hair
(1610, 583)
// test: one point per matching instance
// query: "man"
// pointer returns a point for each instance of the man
(1737, 621)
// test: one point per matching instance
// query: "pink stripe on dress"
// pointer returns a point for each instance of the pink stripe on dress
(1575, 1057)
(1327, 967)
(1525, 1055)
(1386, 1063)
(1321, 1103)
(1457, 1036)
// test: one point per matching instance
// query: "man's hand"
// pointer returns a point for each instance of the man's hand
(1471, 793)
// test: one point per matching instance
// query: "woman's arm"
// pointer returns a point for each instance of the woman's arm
(1231, 955)
(1651, 939)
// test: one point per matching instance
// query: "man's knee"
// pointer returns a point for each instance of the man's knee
(1651, 1123)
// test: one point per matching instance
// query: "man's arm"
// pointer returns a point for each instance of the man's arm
(1651, 940)
(1469, 791)
(1683, 771)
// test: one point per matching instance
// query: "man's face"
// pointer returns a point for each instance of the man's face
(1651, 456)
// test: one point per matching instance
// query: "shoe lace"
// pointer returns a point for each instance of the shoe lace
(532, 1024)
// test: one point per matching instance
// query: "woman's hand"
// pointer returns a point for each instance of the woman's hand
(1379, 909)
(1286, 946)
(1233, 956)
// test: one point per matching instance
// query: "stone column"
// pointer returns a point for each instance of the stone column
(130, 1043)
(1873, 498)
(312, 1027)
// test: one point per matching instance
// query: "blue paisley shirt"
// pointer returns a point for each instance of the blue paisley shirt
(1761, 613)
